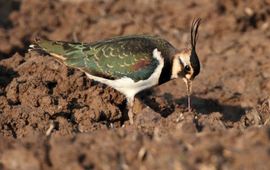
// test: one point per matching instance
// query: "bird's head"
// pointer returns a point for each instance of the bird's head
(186, 64)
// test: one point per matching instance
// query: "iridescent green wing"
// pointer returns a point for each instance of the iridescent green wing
(125, 57)
(116, 58)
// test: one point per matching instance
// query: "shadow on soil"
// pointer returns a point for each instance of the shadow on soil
(6, 75)
(202, 106)
(149, 98)
(207, 106)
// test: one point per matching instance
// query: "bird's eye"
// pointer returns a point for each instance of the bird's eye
(187, 68)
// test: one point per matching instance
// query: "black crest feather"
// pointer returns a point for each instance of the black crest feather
(194, 32)
(195, 63)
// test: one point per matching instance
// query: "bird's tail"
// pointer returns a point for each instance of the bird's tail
(35, 46)
(55, 49)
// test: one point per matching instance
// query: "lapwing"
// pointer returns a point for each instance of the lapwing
(129, 64)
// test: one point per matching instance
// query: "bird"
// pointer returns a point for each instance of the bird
(131, 63)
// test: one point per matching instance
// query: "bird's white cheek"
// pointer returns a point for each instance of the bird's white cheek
(188, 76)
(176, 68)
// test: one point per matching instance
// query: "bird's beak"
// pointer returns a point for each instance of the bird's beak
(189, 91)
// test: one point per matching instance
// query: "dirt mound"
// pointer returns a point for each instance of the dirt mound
(54, 117)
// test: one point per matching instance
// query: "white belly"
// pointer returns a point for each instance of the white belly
(130, 88)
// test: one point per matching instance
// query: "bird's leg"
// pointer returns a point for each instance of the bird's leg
(130, 102)
(189, 87)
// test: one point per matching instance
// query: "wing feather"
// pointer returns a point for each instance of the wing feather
(113, 59)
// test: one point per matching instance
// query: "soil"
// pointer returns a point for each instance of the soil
(54, 117)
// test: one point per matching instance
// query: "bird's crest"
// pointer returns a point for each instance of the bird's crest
(194, 60)
(194, 32)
